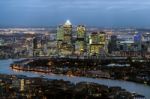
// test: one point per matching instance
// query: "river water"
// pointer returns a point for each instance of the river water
(130, 86)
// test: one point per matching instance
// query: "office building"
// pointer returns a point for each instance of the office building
(80, 41)
(97, 43)
(64, 39)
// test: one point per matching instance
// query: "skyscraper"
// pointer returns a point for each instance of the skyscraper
(64, 39)
(112, 46)
(39, 46)
(97, 43)
(80, 42)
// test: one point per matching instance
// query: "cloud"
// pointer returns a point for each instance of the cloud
(107, 5)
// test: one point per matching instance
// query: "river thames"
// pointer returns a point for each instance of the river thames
(129, 86)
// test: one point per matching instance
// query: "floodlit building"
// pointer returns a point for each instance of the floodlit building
(64, 39)
(80, 41)
(60, 33)
(97, 43)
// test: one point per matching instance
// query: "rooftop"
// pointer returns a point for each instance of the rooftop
(67, 22)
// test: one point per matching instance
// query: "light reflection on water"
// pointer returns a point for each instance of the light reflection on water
(130, 86)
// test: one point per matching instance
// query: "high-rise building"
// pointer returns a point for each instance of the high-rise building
(81, 31)
(29, 46)
(51, 45)
(112, 46)
(39, 46)
(146, 42)
(97, 43)
(60, 33)
(64, 39)
(138, 41)
(35, 43)
(80, 41)
(67, 32)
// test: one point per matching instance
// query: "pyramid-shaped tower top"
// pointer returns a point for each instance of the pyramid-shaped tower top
(67, 22)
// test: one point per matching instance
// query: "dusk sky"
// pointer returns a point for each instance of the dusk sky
(102, 13)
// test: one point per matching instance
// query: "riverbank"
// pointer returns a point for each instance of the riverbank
(19, 86)
(129, 86)
(137, 72)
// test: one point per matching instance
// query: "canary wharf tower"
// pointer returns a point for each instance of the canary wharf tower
(80, 42)
(64, 39)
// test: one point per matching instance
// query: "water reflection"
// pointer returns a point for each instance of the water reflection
(130, 86)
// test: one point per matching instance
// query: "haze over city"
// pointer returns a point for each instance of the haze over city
(74, 49)
(101, 13)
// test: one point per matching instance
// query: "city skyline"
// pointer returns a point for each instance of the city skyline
(101, 13)
(74, 49)
(71, 53)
